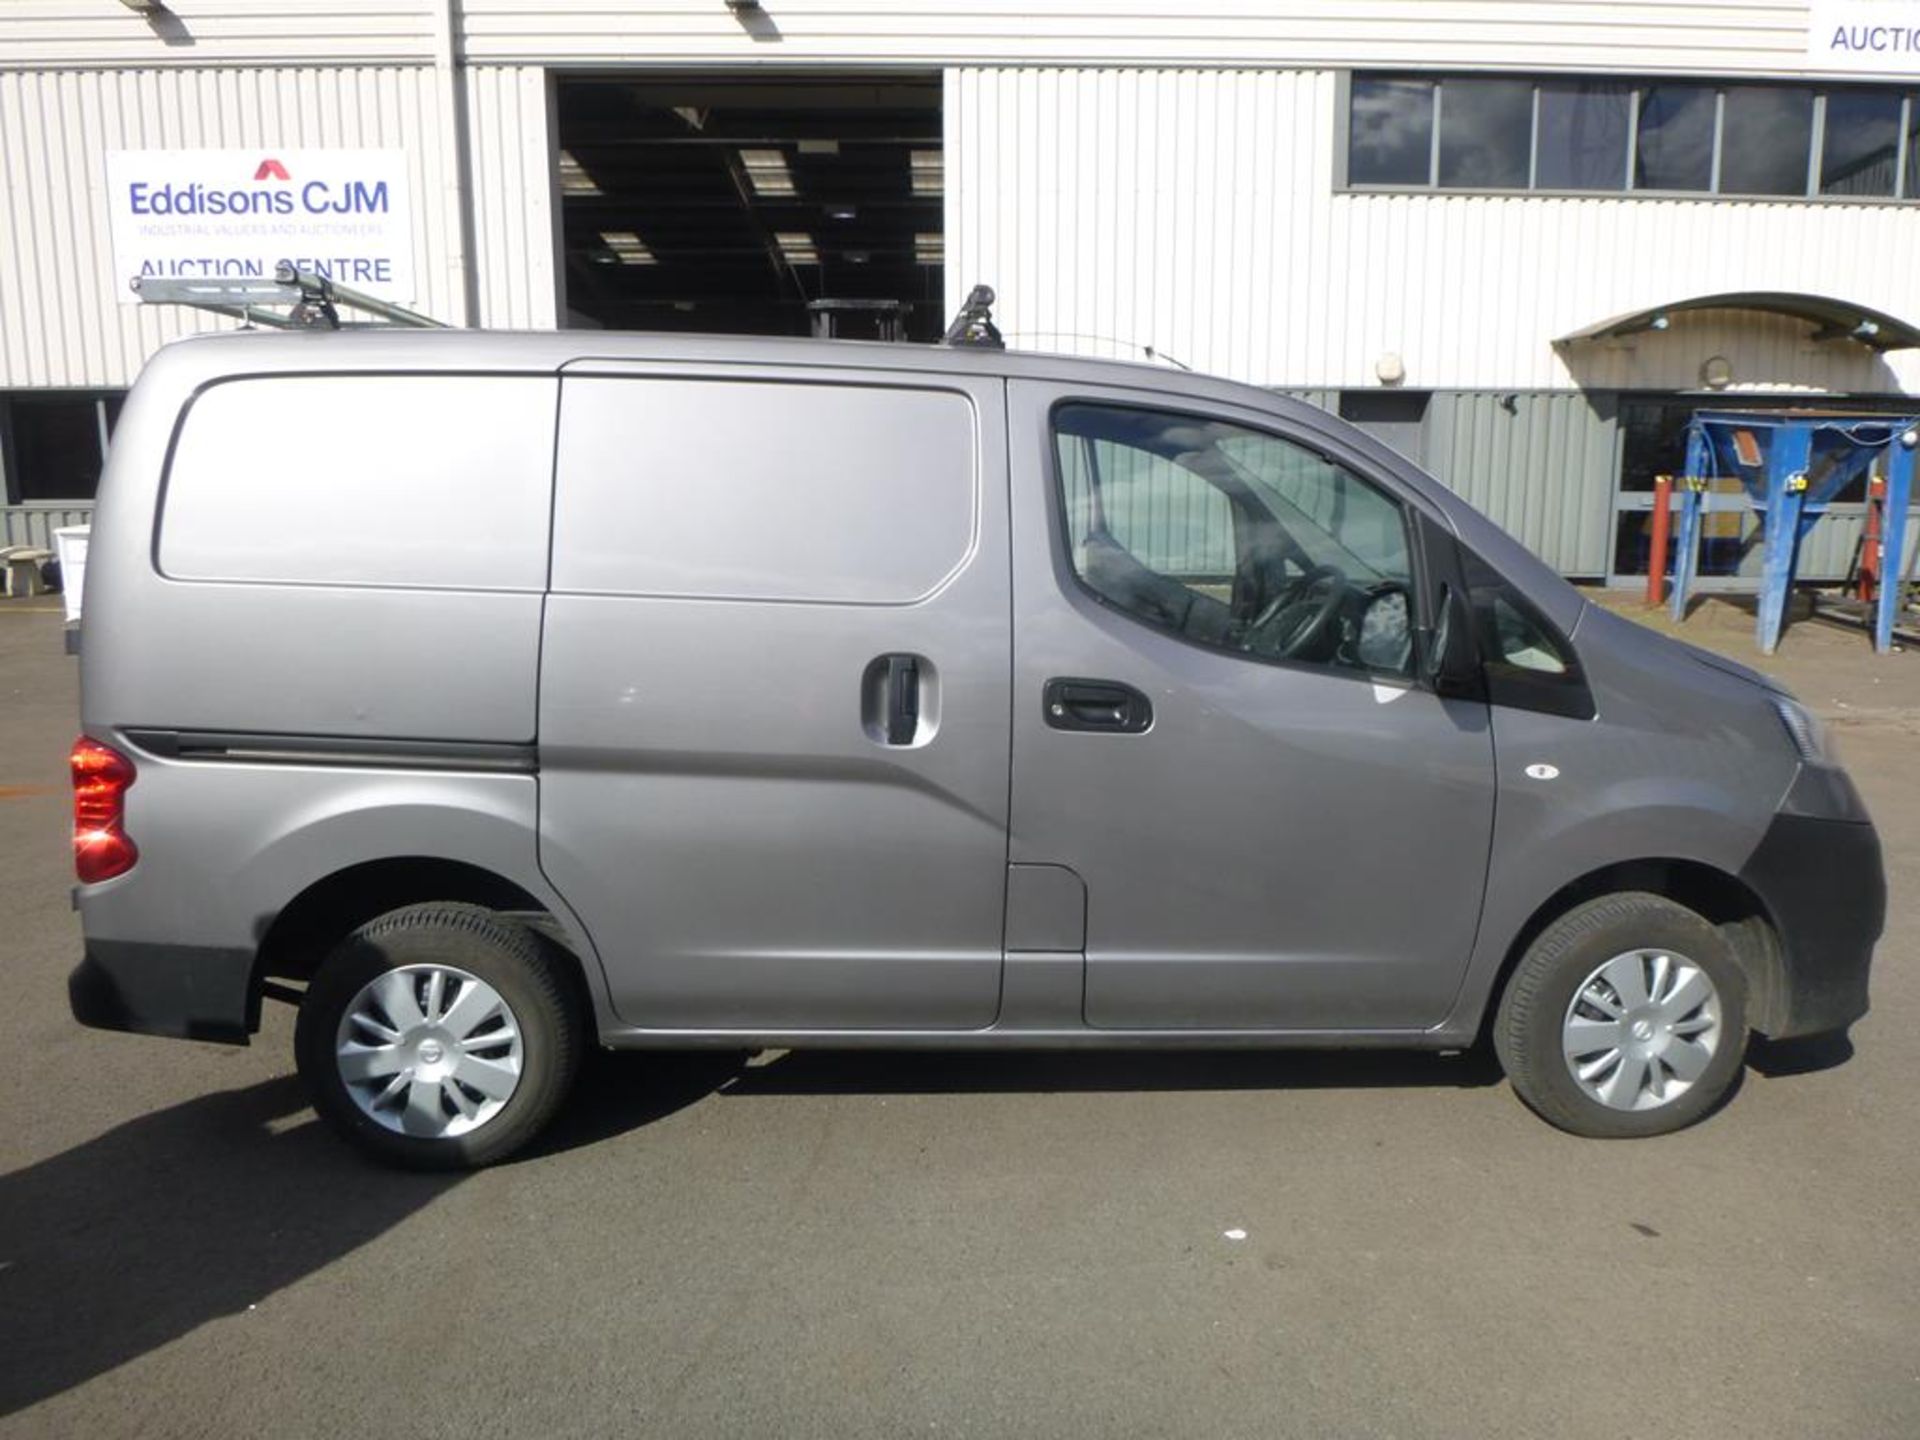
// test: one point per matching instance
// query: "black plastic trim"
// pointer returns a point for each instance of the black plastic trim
(1099, 707)
(186, 991)
(1515, 687)
(1823, 883)
(261, 749)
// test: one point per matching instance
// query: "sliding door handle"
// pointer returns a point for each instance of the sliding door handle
(903, 698)
(1105, 706)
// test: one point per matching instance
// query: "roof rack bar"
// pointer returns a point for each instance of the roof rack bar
(314, 301)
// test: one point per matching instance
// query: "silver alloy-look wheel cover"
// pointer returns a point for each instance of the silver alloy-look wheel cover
(429, 1051)
(1641, 1029)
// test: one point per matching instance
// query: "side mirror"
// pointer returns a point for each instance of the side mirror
(1448, 661)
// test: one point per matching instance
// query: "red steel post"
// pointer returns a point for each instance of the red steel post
(1870, 539)
(1657, 542)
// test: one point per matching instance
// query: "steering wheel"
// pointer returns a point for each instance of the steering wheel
(1293, 619)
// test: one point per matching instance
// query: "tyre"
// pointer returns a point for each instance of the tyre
(1626, 1017)
(439, 1037)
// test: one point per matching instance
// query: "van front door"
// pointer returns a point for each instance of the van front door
(774, 695)
(1217, 723)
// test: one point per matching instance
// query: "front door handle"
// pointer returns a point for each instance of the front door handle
(1099, 705)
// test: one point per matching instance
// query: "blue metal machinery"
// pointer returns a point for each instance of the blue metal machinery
(1790, 465)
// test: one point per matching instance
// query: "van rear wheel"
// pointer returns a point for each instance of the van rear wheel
(1626, 1017)
(439, 1037)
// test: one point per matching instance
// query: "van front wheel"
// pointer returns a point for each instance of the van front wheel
(1626, 1017)
(438, 1037)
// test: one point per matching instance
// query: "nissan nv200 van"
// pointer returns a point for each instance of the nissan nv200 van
(493, 696)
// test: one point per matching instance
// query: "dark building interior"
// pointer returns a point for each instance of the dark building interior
(783, 206)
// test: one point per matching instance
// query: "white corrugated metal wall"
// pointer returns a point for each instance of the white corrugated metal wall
(61, 323)
(513, 197)
(1195, 211)
(1727, 36)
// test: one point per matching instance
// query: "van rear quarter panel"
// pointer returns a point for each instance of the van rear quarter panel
(294, 638)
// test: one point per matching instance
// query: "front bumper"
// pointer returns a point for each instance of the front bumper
(191, 992)
(1823, 883)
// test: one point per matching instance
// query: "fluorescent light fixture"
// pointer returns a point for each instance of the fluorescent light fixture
(767, 172)
(819, 147)
(928, 171)
(574, 179)
(930, 248)
(627, 247)
(841, 212)
(797, 246)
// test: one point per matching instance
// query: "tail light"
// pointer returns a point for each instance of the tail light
(101, 775)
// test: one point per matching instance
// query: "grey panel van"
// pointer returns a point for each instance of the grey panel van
(491, 697)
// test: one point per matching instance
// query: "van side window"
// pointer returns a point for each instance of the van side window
(1234, 538)
(1527, 663)
(420, 480)
(763, 490)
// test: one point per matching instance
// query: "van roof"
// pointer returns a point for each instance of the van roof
(251, 351)
(179, 369)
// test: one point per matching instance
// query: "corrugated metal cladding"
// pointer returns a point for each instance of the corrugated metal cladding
(513, 197)
(1541, 463)
(1828, 551)
(1195, 211)
(60, 320)
(211, 32)
(1569, 34)
(34, 524)
(1759, 36)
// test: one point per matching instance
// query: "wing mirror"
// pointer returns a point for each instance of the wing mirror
(1448, 661)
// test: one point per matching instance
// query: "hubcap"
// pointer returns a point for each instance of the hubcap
(429, 1051)
(1641, 1029)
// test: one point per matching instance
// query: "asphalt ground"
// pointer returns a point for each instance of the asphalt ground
(1016, 1245)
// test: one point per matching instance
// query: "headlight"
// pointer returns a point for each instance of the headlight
(1809, 737)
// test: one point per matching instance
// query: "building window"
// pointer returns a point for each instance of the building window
(1674, 137)
(1584, 135)
(1910, 180)
(1485, 128)
(1390, 132)
(1767, 138)
(1860, 147)
(53, 444)
(1674, 140)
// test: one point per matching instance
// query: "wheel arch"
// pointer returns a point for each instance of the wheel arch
(293, 943)
(1722, 899)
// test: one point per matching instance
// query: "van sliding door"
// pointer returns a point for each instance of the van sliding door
(774, 731)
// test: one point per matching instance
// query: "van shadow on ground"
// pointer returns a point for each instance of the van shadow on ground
(143, 1234)
(826, 1072)
(138, 1236)
(626, 1091)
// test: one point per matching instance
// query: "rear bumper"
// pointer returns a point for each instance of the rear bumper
(190, 992)
(1823, 883)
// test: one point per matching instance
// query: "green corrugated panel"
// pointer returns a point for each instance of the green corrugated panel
(1539, 464)
(34, 524)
